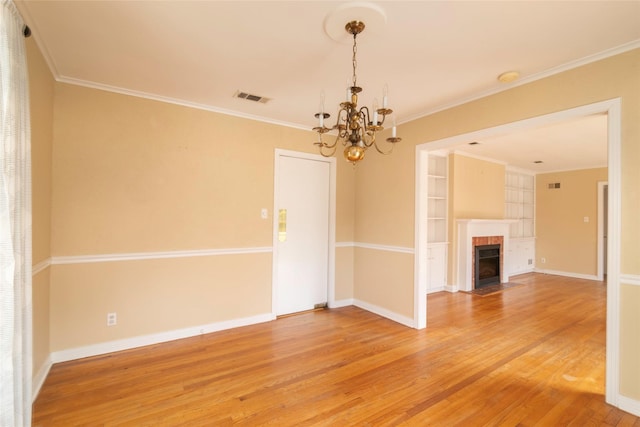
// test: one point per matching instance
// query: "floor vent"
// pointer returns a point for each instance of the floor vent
(250, 97)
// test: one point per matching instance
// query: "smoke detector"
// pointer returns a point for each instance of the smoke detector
(508, 76)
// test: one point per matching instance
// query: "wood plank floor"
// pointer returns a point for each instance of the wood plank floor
(531, 355)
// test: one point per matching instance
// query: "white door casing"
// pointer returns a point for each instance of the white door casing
(602, 229)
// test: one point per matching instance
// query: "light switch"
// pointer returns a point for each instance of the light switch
(586, 219)
(264, 213)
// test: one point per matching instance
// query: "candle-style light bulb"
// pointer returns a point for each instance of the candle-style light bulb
(393, 129)
(385, 93)
(375, 112)
(321, 116)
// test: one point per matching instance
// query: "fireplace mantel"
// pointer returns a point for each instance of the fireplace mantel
(467, 230)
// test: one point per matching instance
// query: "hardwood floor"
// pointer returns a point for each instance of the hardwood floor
(531, 355)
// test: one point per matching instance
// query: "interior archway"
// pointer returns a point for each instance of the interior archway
(613, 111)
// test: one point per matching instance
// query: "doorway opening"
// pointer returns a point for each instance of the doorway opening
(612, 108)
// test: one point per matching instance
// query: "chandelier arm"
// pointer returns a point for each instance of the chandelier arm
(328, 150)
(343, 116)
(368, 134)
(364, 113)
(381, 151)
(368, 138)
(343, 136)
(330, 146)
(330, 154)
(342, 125)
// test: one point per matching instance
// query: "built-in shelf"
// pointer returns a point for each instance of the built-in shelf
(519, 204)
(437, 193)
(437, 199)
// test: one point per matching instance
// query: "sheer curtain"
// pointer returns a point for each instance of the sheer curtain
(15, 223)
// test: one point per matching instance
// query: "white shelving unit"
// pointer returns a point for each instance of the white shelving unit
(520, 205)
(437, 199)
(437, 192)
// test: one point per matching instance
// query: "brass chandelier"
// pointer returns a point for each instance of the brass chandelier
(356, 127)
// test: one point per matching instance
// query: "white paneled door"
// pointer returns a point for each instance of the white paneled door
(302, 233)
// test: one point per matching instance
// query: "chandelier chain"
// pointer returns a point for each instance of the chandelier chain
(354, 61)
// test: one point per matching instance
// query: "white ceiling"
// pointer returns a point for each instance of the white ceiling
(431, 54)
(580, 143)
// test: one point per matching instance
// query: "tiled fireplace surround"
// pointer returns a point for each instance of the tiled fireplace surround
(474, 232)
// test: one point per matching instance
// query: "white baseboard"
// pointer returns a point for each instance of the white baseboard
(451, 288)
(341, 303)
(40, 376)
(129, 343)
(567, 274)
(403, 320)
(437, 289)
(629, 405)
(525, 271)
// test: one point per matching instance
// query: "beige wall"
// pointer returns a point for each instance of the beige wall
(344, 274)
(563, 239)
(614, 77)
(384, 209)
(41, 104)
(345, 210)
(378, 274)
(477, 188)
(476, 191)
(384, 215)
(629, 339)
(154, 296)
(133, 175)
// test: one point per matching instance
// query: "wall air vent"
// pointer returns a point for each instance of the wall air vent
(554, 185)
(249, 97)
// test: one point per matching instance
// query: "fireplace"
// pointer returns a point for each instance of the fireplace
(478, 232)
(486, 265)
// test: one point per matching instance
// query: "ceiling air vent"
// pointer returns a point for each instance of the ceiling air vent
(249, 97)
(554, 185)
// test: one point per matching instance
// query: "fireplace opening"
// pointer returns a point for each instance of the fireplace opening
(487, 265)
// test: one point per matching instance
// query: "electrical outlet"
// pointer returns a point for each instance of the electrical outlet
(112, 319)
(543, 260)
